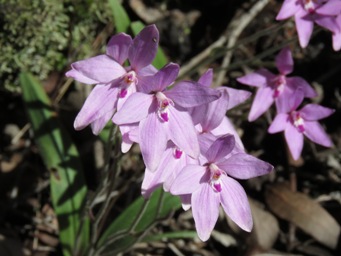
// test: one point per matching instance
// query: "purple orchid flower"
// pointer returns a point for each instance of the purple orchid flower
(275, 88)
(162, 114)
(334, 25)
(297, 123)
(307, 12)
(210, 184)
(114, 83)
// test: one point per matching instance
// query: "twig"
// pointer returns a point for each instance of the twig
(237, 26)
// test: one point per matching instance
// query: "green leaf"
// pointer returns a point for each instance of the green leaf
(124, 221)
(121, 18)
(68, 190)
(160, 58)
(171, 235)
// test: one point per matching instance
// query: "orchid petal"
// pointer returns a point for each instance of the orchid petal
(298, 82)
(189, 180)
(151, 181)
(304, 29)
(98, 124)
(182, 132)
(244, 166)
(262, 102)
(235, 203)
(284, 61)
(315, 132)
(294, 140)
(186, 201)
(190, 94)
(236, 97)
(136, 108)
(205, 209)
(336, 41)
(101, 69)
(101, 100)
(259, 78)
(330, 8)
(207, 78)
(78, 76)
(147, 71)
(220, 148)
(313, 112)
(118, 47)
(153, 140)
(279, 123)
(144, 47)
(288, 9)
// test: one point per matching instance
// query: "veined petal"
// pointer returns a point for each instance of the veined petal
(298, 82)
(163, 78)
(259, 78)
(212, 114)
(101, 68)
(294, 140)
(262, 102)
(147, 71)
(205, 209)
(143, 49)
(189, 180)
(99, 103)
(80, 77)
(136, 108)
(235, 203)
(313, 112)
(118, 47)
(98, 124)
(153, 140)
(190, 94)
(244, 166)
(288, 9)
(220, 148)
(207, 78)
(315, 132)
(279, 123)
(182, 132)
(284, 61)
(151, 181)
(236, 97)
(304, 29)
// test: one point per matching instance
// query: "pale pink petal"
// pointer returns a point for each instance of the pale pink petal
(153, 140)
(304, 27)
(80, 77)
(313, 112)
(294, 140)
(298, 82)
(220, 148)
(118, 47)
(235, 203)
(143, 49)
(279, 123)
(186, 201)
(259, 78)
(244, 166)
(151, 181)
(315, 132)
(102, 69)
(147, 71)
(336, 41)
(136, 108)
(182, 132)
(205, 209)
(236, 97)
(207, 78)
(284, 61)
(189, 180)
(190, 94)
(226, 127)
(262, 102)
(98, 124)
(99, 103)
(288, 9)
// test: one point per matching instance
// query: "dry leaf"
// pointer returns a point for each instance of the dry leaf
(304, 212)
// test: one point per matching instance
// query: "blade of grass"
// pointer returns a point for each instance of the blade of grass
(68, 190)
(121, 18)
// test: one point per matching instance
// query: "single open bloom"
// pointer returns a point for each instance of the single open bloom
(275, 88)
(297, 123)
(114, 83)
(211, 185)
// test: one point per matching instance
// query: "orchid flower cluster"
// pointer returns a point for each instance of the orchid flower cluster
(188, 145)
(288, 93)
(325, 13)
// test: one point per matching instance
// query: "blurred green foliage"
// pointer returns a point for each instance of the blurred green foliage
(40, 35)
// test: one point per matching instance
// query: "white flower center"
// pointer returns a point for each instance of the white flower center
(278, 84)
(215, 180)
(297, 121)
(129, 78)
(163, 103)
